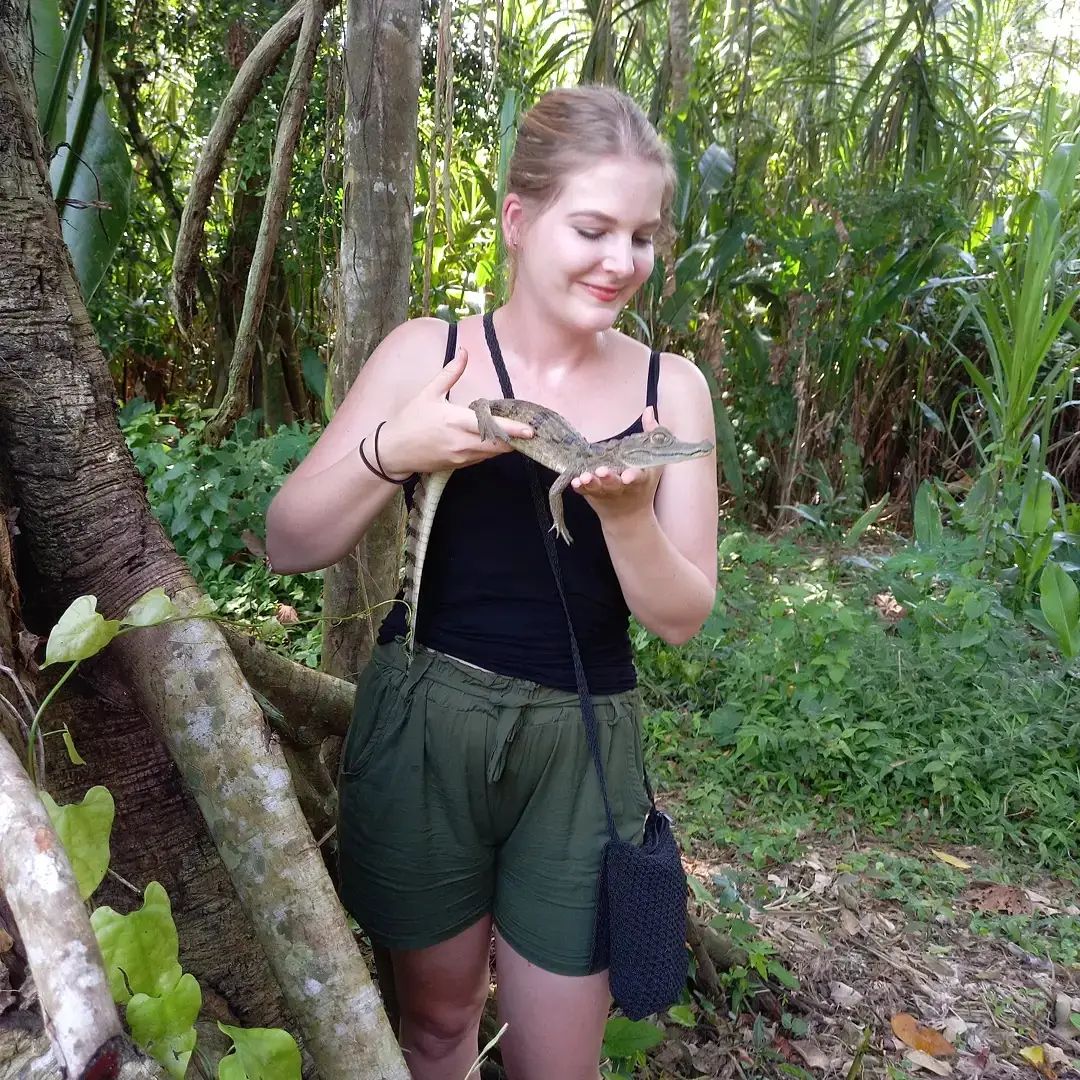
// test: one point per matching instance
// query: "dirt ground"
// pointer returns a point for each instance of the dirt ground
(882, 945)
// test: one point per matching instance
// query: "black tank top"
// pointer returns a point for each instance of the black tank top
(488, 596)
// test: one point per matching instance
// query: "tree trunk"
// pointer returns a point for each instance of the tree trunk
(382, 61)
(86, 528)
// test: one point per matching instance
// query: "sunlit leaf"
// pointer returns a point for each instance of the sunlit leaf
(84, 829)
(164, 1025)
(260, 1054)
(81, 632)
(908, 1030)
(140, 949)
(150, 609)
(952, 860)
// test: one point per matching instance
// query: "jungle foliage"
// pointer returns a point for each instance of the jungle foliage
(876, 265)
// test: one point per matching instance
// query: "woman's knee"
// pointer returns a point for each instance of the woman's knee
(442, 991)
(437, 1027)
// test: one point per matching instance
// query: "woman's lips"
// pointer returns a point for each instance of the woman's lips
(602, 293)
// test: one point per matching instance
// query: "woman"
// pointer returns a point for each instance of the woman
(469, 802)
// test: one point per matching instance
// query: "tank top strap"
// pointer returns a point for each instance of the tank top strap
(451, 344)
(652, 386)
(497, 356)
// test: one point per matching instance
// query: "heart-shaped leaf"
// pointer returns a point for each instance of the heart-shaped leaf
(84, 830)
(260, 1054)
(80, 633)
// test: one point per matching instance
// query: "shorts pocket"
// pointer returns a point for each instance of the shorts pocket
(377, 699)
(635, 774)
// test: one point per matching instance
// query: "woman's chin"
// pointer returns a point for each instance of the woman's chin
(595, 318)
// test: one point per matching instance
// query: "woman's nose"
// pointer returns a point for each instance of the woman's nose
(619, 257)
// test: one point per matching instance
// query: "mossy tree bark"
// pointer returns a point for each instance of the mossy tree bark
(382, 59)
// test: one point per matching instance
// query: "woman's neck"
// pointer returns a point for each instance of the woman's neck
(541, 344)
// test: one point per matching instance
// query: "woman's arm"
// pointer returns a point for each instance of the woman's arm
(327, 503)
(662, 539)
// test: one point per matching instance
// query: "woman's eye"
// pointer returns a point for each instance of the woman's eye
(587, 234)
(643, 241)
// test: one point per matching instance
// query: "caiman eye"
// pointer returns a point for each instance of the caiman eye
(660, 438)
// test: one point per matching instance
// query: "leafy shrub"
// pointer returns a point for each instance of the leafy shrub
(212, 502)
(799, 693)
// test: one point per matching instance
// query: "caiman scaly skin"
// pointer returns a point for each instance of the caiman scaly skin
(556, 445)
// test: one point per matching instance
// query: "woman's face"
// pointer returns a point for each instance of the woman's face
(586, 254)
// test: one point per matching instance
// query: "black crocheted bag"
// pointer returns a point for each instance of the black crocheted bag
(641, 920)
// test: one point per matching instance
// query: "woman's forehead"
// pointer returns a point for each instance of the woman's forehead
(614, 188)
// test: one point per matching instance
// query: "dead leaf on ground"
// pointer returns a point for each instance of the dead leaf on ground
(908, 1030)
(951, 860)
(850, 922)
(888, 608)
(973, 1065)
(1036, 1057)
(994, 898)
(955, 1026)
(253, 543)
(930, 1064)
(286, 615)
(847, 997)
(6, 941)
(812, 1054)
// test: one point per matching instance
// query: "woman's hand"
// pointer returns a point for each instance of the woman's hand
(432, 435)
(621, 495)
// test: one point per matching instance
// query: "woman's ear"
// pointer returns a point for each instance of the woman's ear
(513, 220)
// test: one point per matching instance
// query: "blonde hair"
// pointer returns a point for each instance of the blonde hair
(571, 128)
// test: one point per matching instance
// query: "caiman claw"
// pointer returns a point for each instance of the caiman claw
(489, 430)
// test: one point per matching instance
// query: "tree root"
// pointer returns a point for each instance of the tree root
(39, 885)
(250, 79)
(291, 118)
(312, 705)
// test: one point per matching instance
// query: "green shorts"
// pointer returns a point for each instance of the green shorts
(464, 793)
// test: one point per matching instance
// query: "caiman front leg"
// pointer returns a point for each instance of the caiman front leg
(555, 501)
(489, 430)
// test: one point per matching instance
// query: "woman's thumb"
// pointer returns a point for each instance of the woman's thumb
(440, 385)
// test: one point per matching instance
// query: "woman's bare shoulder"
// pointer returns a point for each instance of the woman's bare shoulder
(684, 396)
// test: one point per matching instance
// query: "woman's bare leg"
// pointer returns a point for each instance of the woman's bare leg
(441, 993)
(556, 1021)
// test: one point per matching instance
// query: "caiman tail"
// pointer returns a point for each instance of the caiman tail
(426, 495)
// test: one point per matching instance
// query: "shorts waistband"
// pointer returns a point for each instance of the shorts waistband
(439, 668)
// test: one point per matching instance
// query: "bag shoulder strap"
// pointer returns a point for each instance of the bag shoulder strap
(588, 714)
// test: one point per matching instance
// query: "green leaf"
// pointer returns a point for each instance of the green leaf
(716, 167)
(48, 49)
(724, 723)
(69, 744)
(866, 519)
(683, 1015)
(140, 949)
(84, 829)
(164, 1026)
(623, 1038)
(928, 530)
(1036, 509)
(1059, 600)
(151, 609)
(80, 633)
(314, 372)
(95, 205)
(260, 1054)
